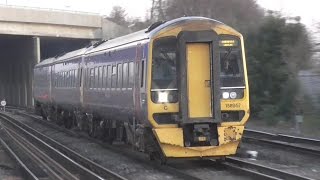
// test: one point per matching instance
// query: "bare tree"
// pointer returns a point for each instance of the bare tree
(157, 11)
(118, 15)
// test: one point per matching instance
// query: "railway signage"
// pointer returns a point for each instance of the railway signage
(3, 103)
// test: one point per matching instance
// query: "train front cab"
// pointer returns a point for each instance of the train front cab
(198, 102)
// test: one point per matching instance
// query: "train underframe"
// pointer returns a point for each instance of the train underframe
(154, 142)
(139, 137)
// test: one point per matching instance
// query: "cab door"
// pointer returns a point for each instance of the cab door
(199, 81)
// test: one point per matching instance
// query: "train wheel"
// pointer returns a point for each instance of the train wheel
(67, 120)
(92, 125)
(159, 157)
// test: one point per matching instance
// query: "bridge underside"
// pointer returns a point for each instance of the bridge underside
(18, 55)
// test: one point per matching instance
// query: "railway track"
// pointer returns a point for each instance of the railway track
(294, 143)
(123, 151)
(49, 158)
(258, 171)
(243, 167)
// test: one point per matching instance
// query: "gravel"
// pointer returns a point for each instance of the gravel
(279, 158)
(8, 168)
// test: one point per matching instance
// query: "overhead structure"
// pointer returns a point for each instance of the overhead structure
(28, 35)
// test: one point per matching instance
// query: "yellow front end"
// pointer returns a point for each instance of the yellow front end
(171, 142)
(171, 136)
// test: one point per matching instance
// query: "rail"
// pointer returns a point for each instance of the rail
(259, 171)
(296, 143)
(72, 161)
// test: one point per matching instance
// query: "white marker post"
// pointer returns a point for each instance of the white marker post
(3, 104)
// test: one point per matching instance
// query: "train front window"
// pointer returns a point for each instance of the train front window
(231, 66)
(164, 74)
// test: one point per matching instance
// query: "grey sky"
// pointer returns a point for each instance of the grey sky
(307, 9)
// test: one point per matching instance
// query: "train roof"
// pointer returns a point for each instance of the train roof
(144, 34)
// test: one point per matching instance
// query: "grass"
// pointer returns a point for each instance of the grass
(311, 125)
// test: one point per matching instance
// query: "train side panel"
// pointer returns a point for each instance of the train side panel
(41, 86)
(110, 82)
(65, 83)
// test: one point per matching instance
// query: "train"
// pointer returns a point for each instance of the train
(177, 89)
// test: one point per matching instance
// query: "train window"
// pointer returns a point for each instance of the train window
(114, 77)
(125, 75)
(105, 76)
(59, 79)
(119, 75)
(164, 69)
(164, 74)
(63, 79)
(142, 73)
(91, 80)
(73, 78)
(66, 79)
(231, 67)
(96, 77)
(100, 76)
(109, 76)
(70, 79)
(80, 76)
(131, 75)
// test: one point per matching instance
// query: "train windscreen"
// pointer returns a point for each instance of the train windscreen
(164, 70)
(231, 71)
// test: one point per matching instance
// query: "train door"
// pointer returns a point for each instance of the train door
(138, 82)
(199, 83)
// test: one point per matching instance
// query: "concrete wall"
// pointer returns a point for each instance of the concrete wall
(310, 86)
(16, 70)
(47, 16)
(38, 22)
(53, 23)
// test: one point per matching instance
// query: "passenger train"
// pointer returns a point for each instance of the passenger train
(178, 89)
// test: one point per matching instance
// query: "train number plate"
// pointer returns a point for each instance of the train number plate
(233, 105)
(202, 138)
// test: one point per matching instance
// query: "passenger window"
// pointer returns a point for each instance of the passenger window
(96, 77)
(119, 76)
(114, 77)
(75, 78)
(109, 77)
(100, 76)
(125, 75)
(64, 79)
(131, 74)
(80, 77)
(142, 73)
(91, 81)
(105, 76)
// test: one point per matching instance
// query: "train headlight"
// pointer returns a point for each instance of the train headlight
(163, 97)
(233, 95)
(225, 95)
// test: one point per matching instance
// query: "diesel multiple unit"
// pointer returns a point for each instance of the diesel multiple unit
(174, 90)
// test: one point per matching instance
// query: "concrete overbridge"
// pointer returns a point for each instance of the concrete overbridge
(28, 35)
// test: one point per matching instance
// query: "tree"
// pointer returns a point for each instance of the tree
(275, 54)
(243, 15)
(118, 15)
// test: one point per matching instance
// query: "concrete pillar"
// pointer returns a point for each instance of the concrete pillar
(36, 48)
(35, 59)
